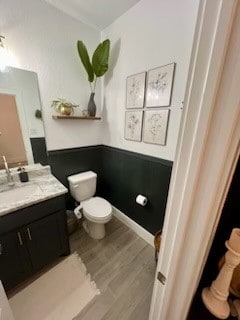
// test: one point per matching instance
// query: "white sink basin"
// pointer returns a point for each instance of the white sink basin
(19, 193)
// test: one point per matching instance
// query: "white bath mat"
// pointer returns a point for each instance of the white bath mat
(59, 294)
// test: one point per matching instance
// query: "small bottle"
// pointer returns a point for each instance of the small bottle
(23, 175)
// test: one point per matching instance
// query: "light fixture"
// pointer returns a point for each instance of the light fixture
(3, 55)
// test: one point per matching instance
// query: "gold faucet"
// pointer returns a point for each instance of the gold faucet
(8, 172)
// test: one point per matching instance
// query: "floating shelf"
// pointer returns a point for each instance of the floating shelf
(58, 117)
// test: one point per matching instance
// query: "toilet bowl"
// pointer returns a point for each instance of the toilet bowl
(96, 210)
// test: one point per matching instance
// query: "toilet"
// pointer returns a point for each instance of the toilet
(97, 211)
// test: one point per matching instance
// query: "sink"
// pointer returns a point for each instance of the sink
(19, 193)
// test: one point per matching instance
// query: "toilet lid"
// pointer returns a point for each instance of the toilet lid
(97, 207)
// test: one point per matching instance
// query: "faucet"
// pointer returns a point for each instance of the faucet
(8, 172)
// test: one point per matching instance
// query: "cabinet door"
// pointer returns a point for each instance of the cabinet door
(15, 264)
(45, 240)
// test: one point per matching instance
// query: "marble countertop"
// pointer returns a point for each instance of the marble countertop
(47, 187)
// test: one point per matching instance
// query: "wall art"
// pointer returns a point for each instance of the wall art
(133, 125)
(135, 90)
(155, 126)
(159, 86)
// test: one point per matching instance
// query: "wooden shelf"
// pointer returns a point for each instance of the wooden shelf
(58, 117)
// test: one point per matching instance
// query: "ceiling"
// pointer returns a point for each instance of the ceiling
(97, 13)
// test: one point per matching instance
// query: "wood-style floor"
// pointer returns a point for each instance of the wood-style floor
(123, 267)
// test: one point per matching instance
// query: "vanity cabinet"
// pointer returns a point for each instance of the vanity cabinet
(30, 239)
(14, 260)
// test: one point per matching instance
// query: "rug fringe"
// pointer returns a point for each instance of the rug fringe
(84, 269)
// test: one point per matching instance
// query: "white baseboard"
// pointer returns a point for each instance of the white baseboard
(140, 231)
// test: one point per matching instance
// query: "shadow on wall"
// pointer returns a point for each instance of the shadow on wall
(108, 76)
(114, 54)
(105, 122)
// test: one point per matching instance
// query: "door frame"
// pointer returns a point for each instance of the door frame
(22, 119)
(207, 152)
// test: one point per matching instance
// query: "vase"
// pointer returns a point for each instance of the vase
(66, 110)
(91, 106)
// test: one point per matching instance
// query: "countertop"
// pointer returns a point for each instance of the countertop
(49, 187)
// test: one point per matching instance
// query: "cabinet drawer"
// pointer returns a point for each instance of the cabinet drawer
(29, 214)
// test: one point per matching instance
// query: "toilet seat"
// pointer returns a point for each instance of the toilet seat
(97, 210)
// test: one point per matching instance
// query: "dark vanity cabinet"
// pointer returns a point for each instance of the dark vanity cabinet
(14, 260)
(30, 239)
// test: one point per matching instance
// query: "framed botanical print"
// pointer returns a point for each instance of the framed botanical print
(155, 126)
(159, 86)
(133, 125)
(135, 91)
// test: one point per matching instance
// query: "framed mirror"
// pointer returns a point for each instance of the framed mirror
(22, 137)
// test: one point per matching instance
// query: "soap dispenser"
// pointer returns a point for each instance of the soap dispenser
(23, 175)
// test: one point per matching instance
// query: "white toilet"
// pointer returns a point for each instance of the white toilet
(96, 210)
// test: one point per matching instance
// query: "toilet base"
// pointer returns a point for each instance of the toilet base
(95, 230)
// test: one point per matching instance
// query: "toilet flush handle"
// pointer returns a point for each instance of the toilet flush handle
(75, 186)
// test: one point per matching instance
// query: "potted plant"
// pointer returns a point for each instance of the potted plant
(95, 68)
(63, 106)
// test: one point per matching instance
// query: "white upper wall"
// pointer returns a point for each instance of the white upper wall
(99, 14)
(151, 34)
(43, 39)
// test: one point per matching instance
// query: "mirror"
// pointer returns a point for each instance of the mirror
(22, 138)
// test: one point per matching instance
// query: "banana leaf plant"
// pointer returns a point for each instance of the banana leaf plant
(99, 64)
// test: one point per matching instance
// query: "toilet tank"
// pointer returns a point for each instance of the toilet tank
(83, 185)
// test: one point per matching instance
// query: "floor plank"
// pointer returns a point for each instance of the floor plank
(142, 309)
(128, 300)
(123, 267)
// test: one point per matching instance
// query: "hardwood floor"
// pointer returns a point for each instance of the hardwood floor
(123, 267)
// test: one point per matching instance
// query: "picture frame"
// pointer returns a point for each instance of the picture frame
(135, 90)
(159, 86)
(155, 126)
(133, 125)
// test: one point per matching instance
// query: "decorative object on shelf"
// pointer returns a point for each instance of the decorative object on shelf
(91, 105)
(135, 90)
(133, 125)
(155, 126)
(215, 297)
(95, 69)
(159, 86)
(63, 106)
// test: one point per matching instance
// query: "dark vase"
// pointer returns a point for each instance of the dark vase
(92, 106)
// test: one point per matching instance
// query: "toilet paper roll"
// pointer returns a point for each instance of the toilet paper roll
(141, 200)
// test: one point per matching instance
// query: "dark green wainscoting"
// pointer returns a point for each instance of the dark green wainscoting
(122, 175)
(39, 150)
